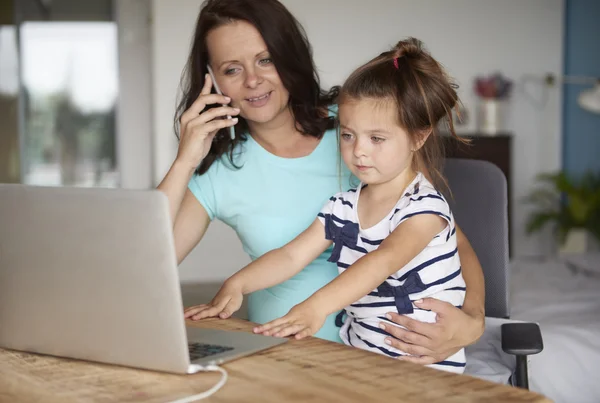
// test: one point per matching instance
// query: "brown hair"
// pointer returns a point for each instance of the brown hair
(410, 77)
(291, 54)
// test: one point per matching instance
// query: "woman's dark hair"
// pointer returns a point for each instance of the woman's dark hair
(422, 92)
(291, 54)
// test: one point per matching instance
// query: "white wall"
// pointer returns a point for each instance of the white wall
(134, 117)
(470, 37)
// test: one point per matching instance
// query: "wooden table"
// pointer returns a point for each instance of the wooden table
(310, 370)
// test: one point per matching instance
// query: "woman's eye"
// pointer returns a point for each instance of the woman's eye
(230, 71)
(266, 60)
(346, 136)
(377, 139)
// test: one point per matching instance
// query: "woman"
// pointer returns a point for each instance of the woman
(285, 145)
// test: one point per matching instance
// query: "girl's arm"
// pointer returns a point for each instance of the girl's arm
(270, 269)
(280, 264)
(398, 249)
(428, 343)
(395, 252)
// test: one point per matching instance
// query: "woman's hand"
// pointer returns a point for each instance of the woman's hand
(428, 343)
(227, 301)
(198, 128)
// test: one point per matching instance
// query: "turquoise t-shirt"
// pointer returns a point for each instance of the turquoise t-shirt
(268, 202)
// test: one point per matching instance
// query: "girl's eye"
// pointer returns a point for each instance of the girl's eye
(346, 136)
(377, 139)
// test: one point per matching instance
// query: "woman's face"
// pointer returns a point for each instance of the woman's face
(245, 72)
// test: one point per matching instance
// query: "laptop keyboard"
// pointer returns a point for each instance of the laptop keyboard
(201, 350)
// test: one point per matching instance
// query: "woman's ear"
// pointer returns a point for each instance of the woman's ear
(421, 138)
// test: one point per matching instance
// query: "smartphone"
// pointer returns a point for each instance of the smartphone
(216, 87)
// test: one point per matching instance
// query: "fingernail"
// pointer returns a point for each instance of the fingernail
(388, 341)
(236, 109)
(387, 315)
(235, 120)
(381, 325)
(419, 301)
(228, 99)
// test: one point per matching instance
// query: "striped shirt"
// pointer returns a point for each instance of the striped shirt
(435, 272)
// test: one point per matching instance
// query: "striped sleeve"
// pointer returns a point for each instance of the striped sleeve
(427, 202)
(328, 208)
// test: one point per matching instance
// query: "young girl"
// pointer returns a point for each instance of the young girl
(394, 238)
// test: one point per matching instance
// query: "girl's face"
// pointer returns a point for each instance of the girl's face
(245, 72)
(372, 143)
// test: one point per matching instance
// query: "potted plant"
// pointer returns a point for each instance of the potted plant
(493, 92)
(572, 206)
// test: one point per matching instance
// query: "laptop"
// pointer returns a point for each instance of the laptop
(91, 274)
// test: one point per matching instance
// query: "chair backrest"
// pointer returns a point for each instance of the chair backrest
(480, 206)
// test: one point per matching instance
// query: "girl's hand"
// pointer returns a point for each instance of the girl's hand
(198, 128)
(227, 301)
(303, 320)
(429, 343)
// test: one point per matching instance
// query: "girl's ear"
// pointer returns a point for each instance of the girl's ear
(421, 138)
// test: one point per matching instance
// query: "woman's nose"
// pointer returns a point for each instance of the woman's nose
(252, 78)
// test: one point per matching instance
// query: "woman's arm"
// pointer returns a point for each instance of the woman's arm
(190, 225)
(174, 186)
(190, 219)
(198, 127)
(472, 272)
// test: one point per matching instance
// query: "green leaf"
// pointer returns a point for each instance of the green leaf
(565, 201)
(538, 220)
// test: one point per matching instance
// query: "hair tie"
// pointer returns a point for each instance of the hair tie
(396, 63)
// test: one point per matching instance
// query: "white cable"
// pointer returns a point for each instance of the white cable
(209, 392)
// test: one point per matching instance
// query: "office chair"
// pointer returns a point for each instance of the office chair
(478, 199)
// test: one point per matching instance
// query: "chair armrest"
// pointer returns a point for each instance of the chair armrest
(521, 339)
